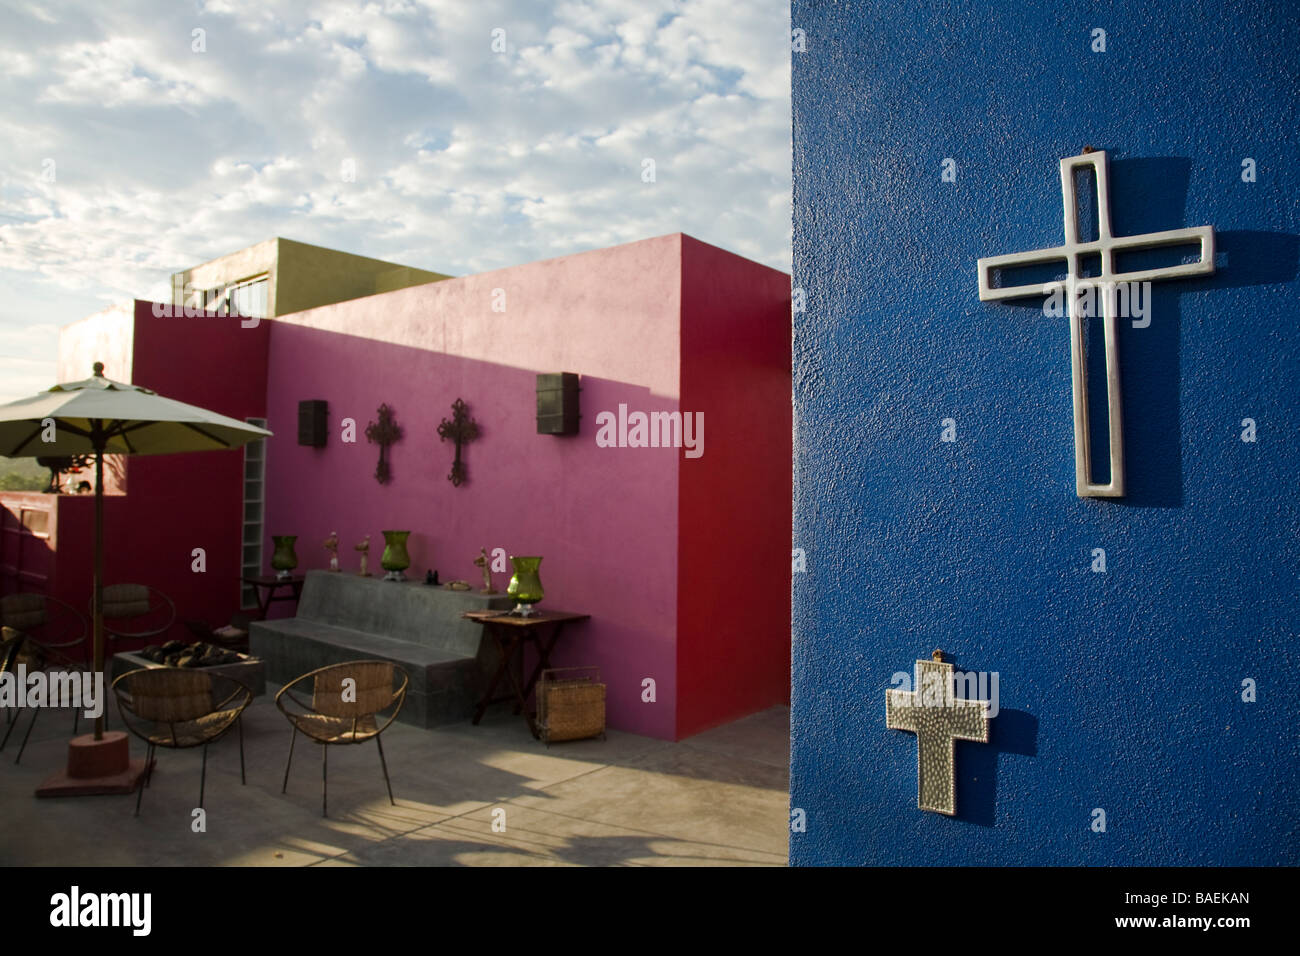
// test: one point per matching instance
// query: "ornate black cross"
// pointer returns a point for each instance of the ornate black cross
(386, 432)
(461, 429)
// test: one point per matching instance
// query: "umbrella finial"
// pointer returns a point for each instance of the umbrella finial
(99, 369)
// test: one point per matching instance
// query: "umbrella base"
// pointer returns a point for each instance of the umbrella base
(95, 767)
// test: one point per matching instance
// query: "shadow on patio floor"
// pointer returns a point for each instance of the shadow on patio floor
(720, 797)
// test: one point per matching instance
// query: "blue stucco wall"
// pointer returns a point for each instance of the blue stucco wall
(1118, 690)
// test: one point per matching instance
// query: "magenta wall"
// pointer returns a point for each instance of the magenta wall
(605, 519)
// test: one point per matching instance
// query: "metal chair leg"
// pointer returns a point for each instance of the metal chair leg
(36, 712)
(289, 762)
(242, 778)
(13, 719)
(76, 719)
(324, 777)
(148, 764)
(384, 763)
(144, 781)
(203, 775)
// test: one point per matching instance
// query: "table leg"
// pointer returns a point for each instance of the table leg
(544, 648)
(521, 698)
(507, 651)
(543, 656)
(263, 602)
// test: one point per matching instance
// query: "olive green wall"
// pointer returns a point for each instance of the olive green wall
(310, 276)
(303, 276)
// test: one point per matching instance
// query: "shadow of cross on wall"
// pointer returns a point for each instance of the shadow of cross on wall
(938, 718)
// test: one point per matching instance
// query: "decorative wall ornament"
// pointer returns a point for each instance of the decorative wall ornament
(462, 430)
(482, 562)
(938, 717)
(385, 432)
(1074, 252)
(363, 546)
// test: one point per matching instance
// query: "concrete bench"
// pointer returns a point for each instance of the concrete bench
(342, 617)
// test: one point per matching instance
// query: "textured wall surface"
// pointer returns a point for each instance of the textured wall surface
(1119, 690)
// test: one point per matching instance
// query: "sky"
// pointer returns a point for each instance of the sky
(452, 135)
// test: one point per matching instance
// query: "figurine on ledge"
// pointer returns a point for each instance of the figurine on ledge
(332, 546)
(482, 562)
(364, 548)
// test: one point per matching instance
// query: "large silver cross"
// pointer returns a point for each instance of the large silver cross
(1075, 250)
(938, 717)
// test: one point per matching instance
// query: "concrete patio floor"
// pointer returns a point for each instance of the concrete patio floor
(719, 798)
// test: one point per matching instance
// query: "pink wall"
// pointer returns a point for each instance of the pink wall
(733, 612)
(604, 519)
(655, 546)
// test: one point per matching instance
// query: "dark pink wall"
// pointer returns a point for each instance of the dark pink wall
(174, 503)
(215, 363)
(604, 519)
(733, 613)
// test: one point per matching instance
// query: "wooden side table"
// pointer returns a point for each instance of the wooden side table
(512, 633)
(265, 586)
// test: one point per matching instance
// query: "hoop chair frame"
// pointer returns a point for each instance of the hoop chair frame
(58, 648)
(157, 600)
(230, 710)
(312, 721)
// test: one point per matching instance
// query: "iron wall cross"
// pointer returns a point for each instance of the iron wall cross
(1074, 252)
(461, 429)
(938, 717)
(386, 432)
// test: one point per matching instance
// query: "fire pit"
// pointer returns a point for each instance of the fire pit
(246, 669)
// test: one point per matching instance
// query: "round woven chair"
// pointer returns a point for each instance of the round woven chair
(17, 648)
(342, 713)
(179, 708)
(55, 635)
(58, 627)
(136, 612)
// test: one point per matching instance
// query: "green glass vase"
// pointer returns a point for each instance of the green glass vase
(284, 559)
(526, 585)
(395, 560)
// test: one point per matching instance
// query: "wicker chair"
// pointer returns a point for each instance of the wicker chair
(17, 648)
(332, 719)
(181, 708)
(58, 627)
(57, 645)
(136, 612)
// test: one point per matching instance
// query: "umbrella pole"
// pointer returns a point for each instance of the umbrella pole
(98, 608)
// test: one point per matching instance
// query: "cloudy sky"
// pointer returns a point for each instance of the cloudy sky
(141, 138)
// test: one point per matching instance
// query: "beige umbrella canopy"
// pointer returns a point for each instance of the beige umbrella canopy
(98, 416)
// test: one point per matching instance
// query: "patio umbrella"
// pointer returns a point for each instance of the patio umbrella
(99, 416)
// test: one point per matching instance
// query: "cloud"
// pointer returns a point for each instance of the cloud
(466, 159)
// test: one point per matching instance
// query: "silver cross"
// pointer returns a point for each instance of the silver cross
(1073, 253)
(938, 717)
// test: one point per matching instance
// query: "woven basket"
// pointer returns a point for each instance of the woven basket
(570, 704)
